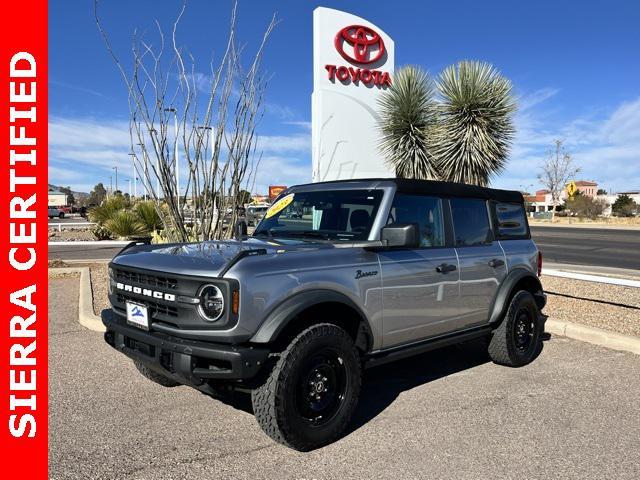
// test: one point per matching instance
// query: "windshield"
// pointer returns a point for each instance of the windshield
(333, 215)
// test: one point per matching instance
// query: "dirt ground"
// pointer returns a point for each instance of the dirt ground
(611, 307)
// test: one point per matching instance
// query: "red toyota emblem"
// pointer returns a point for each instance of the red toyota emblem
(365, 44)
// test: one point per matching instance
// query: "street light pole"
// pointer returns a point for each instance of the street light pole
(129, 180)
(116, 169)
(135, 174)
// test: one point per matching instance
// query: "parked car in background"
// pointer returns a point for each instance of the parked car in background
(54, 212)
(255, 213)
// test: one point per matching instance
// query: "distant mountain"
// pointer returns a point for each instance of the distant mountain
(78, 195)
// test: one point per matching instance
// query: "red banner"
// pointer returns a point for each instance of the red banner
(23, 289)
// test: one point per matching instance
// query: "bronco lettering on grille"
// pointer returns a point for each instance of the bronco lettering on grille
(146, 292)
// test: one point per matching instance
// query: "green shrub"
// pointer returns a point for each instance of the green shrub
(101, 233)
(148, 216)
(125, 224)
(102, 213)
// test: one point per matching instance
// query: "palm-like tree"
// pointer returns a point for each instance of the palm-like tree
(408, 116)
(475, 127)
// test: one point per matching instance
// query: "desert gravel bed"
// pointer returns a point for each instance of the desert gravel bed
(71, 235)
(100, 286)
(611, 307)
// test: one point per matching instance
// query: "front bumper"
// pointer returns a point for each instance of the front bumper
(185, 361)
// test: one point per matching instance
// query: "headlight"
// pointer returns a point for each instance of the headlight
(211, 303)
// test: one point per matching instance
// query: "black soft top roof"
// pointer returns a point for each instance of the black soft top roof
(432, 187)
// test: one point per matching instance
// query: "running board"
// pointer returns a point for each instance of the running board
(402, 351)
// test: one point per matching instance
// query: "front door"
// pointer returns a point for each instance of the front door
(420, 286)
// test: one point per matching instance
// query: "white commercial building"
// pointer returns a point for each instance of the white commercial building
(56, 198)
(352, 65)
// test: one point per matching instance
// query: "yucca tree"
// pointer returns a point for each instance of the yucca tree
(148, 216)
(407, 119)
(108, 209)
(126, 224)
(475, 121)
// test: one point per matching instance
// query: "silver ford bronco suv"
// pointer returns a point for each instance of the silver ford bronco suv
(337, 276)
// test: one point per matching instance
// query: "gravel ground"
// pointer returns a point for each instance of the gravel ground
(611, 307)
(100, 286)
(71, 235)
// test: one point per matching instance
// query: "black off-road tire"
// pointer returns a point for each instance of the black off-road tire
(154, 376)
(276, 402)
(507, 346)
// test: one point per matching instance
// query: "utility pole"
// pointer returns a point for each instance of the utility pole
(175, 152)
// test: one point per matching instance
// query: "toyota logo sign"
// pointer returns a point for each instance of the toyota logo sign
(359, 44)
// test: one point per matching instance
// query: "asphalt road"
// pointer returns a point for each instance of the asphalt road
(79, 251)
(589, 246)
(572, 414)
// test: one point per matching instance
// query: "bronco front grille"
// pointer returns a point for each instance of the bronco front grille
(155, 307)
(145, 279)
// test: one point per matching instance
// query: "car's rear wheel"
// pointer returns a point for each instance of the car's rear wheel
(61, 215)
(154, 376)
(518, 339)
(310, 394)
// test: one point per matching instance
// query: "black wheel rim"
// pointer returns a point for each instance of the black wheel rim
(523, 330)
(322, 387)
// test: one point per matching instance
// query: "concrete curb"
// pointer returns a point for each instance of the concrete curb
(593, 335)
(86, 317)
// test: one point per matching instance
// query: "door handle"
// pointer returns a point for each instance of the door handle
(445, 268)
(496, 263)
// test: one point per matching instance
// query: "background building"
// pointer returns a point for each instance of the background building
(57, 198)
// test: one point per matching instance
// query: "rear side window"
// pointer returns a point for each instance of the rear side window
(423, 210)
(470, 222)
(512, 221)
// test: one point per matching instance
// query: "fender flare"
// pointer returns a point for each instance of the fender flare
(280, 317)
(501, 300)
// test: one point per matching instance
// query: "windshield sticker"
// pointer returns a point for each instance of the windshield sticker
(280, 205)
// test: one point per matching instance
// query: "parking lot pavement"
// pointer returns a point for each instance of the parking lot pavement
(573, 413)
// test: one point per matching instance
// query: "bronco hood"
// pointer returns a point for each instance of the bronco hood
(204, 258)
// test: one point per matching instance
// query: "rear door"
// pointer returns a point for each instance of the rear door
(481, 259)
(420, 285)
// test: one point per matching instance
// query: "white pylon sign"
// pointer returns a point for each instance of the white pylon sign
(352, 65)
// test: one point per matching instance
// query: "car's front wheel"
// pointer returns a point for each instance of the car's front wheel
(310, 394)
(518, 338)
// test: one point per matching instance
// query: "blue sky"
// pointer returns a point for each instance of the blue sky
(575, 67)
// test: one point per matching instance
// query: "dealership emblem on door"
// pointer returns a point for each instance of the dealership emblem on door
(359, 44)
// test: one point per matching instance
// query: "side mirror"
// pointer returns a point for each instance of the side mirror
(404, 235)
